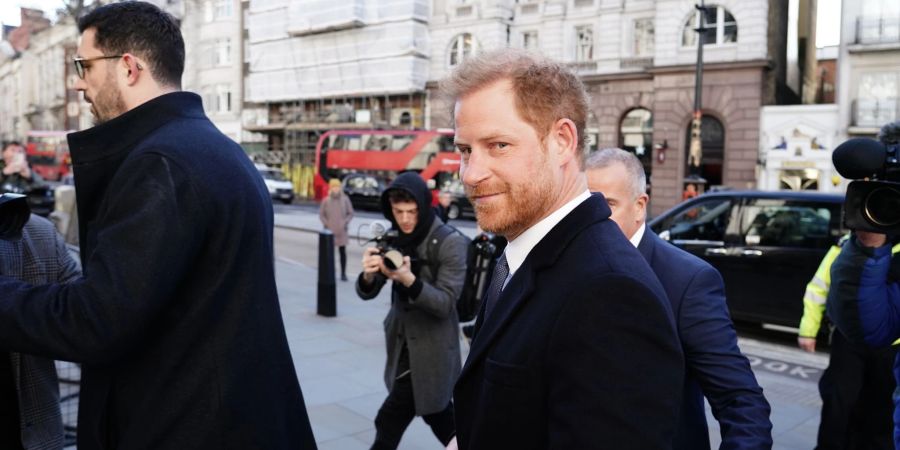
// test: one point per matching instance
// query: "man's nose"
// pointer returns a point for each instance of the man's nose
(474, 169)
(80, 85)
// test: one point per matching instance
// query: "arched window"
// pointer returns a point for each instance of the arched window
(461, 47)
(720, 27)
(712, 136)
(636, 135)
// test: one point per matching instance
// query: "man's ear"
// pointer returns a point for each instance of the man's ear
(133, 68)
(642, 201)
(565, 135)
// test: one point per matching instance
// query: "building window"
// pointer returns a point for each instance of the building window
(721, 28)
(879, 22)
(222, 53)
(584, 43)
(530, 40)
(636, 135)
(223, 9)
(461, 47)
(712, 138)
(218, 99)
(644, 36)
(877, 99)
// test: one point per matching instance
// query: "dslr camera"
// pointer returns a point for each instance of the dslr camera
(384, 239)
(14, 213)
(873, 200)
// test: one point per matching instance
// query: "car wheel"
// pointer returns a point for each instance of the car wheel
(287, 201)
(453, 211)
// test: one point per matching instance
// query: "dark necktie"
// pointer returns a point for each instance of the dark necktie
(501, 271)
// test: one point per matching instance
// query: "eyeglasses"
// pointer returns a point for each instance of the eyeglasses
(79, 63)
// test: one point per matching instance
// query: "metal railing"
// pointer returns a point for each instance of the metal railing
(875, 112)
(877, 30)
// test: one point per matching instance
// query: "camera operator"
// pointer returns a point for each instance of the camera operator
(421, 328)
(864, 299)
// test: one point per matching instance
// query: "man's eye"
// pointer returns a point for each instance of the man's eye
(500, 145)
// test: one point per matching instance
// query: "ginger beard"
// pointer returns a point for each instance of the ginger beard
(522, 202)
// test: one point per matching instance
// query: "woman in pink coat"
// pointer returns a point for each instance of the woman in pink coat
(335, 214)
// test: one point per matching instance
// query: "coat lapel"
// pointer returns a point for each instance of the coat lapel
(647, 244)
(521, 285)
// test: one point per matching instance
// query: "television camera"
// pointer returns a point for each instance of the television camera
(873, 200)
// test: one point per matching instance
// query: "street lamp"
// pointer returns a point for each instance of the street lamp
(695, 152)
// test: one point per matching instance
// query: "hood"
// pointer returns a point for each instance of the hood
(414, 184)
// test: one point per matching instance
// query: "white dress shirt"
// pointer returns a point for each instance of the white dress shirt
(638, 235)
(519, 248)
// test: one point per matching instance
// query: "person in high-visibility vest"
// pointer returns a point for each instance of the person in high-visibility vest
(857, 385)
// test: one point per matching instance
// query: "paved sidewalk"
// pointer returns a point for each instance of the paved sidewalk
(340, 362)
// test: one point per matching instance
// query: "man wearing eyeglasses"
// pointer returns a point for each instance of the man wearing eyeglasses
(176, 320)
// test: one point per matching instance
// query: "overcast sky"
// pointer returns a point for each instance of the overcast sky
(828, 29)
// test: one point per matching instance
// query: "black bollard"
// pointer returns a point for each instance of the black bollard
(327, 299)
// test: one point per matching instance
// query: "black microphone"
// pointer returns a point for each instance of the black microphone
(859, 158)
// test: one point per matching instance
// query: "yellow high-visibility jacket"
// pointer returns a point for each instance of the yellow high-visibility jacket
(817, 292)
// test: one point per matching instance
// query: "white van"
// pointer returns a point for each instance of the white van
(279, 187)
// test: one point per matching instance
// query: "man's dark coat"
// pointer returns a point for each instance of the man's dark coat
(580, 351)
(715, 366)
(176, 321)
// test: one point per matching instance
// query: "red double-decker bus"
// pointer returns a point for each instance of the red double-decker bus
(48, 153)
(386, 152)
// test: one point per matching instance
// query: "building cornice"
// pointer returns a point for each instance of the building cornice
(657, 70)
(622, 76)
(752, 64)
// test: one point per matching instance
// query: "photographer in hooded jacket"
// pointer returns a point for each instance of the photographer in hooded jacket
(421, 328)
(864, 299)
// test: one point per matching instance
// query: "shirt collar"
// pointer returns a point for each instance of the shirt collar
(638, 235)
(517, 250)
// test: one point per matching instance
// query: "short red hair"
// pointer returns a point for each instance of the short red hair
(545, 90)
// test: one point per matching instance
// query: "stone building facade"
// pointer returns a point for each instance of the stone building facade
(637, 60)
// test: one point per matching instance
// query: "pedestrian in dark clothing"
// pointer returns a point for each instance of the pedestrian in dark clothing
(442, 209)
(864, 305)
(422, 327)
(29, 389)
(715, 367)
(176, 320)
(856, 386)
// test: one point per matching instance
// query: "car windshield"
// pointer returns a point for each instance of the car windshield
(362, 182)
(272, 175)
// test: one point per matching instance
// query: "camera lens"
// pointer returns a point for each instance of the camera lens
(393, 259)
(882, 207)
